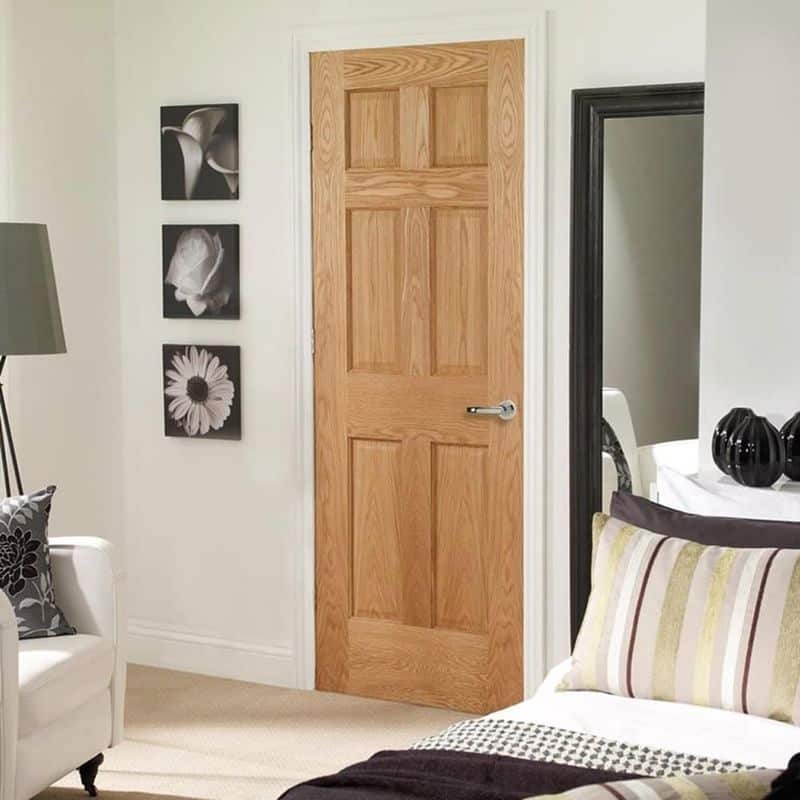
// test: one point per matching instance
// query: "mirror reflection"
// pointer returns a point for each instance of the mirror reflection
(652, 215)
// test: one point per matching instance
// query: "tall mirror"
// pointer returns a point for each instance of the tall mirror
(635, 322)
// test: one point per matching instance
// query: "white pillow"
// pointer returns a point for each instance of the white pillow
(726, 498)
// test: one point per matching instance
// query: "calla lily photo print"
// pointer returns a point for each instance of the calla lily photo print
(202, 391)
(200, 271)
(200, 152)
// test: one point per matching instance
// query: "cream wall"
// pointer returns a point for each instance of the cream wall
(211, 527)
(593, 44)
(59, 168)
(4, 124)
(751, 236)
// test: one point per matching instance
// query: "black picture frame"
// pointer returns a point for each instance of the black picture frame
(175, 424)
(227, 237)
(590, 109)
(211, 180)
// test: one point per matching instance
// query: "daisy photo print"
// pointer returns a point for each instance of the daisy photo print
(202, 394)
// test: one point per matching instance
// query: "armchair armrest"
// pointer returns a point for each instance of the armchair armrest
(9, 697)
(682, 455)
(89, 585)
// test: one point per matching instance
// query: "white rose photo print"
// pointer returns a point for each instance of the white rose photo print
(202, 391)
(200, 270)
(200, 152)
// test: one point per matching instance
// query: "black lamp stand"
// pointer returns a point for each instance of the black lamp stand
(6, 439)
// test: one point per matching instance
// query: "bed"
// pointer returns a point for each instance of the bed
(696, 730)
(604, 745)
(559, 740)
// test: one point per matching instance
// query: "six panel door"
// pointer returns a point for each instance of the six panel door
(418, 260)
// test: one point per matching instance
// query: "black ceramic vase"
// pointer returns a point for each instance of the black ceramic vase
(755, 453)
(725, 427)
(790, 433)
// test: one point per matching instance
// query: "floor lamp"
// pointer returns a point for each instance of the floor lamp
(30, 319)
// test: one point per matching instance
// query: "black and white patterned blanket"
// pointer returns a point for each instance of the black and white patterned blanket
(502, 759)
(528, 740)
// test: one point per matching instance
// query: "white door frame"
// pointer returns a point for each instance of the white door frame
(531, 27)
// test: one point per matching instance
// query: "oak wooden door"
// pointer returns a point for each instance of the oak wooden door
(418, 260)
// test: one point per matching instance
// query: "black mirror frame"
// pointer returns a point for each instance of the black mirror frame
(590, 109)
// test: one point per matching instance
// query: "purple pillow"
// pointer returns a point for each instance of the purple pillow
(720, 531)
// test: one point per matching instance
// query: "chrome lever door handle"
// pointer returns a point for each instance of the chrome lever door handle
(506, 410)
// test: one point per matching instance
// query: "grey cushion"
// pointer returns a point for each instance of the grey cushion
(719, 531)
(25, 565)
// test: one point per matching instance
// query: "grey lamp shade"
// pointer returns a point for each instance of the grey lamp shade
(30, 319)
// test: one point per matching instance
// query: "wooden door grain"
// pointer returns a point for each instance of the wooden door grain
(417, 170)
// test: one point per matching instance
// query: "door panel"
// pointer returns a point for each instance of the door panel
(460, 127)
(377, 560)
(373, 304)
(460, 482)
(417, 203)
(373, 126)
(460, 287)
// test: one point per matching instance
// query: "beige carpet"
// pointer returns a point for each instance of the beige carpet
(193, 737)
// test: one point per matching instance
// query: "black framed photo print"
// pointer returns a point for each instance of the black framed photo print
(200, 152)
(200, 271)
(202, 391)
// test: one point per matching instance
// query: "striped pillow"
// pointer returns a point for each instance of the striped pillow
(670, 619)
(752, 785)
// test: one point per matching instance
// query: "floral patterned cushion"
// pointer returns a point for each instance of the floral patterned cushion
(25, 565)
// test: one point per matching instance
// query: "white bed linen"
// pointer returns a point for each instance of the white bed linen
(712, 732)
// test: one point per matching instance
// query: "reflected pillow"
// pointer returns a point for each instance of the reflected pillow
(670, 619)
(723, 531)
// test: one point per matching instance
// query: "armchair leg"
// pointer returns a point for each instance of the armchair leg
(88, 773)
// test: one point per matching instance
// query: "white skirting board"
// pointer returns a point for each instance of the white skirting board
(155, 644)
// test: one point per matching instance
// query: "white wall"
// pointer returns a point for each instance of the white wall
(652, 210)
(4, 122)
(596, 44)
(211, 527)
(751, 208)
(60, 169)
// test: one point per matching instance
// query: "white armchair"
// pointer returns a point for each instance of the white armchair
(681, 455)
(62, 698)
